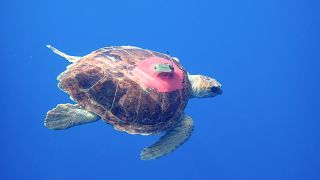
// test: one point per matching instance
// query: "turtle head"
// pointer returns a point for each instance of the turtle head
(204, 86)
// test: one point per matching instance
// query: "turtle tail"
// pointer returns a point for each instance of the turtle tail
(71, 59)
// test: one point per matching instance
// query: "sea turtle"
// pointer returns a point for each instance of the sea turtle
(136, 90)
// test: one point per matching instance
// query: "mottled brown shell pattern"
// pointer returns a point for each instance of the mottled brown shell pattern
(102, 82)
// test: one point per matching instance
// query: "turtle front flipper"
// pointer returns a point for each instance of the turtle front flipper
(68, 115)
(170, 141)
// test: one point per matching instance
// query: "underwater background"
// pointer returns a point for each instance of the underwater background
(265, 125)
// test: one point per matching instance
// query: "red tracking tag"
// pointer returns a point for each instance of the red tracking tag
(163, 82)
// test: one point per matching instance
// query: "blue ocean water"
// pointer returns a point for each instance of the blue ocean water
(265, 53)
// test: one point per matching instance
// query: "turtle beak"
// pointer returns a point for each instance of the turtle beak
(216, 87)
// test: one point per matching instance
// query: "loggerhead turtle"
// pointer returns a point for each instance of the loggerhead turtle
(136, 90)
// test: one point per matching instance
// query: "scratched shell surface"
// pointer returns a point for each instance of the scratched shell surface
(102, 82)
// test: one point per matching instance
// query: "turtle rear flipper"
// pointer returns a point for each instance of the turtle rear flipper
(170, 141)
(68, 115)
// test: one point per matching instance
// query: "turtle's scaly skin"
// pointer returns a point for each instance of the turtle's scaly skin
(102, 82)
